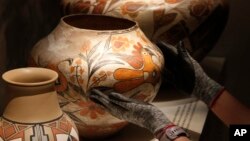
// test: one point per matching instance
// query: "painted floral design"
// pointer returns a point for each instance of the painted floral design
(102, 76)
(140, 59)
(155, 17)
(120, 43)
(173, 1)
(87, 6)
(168, 20)
(76, 72)
(162, 19)
(145, 71)
(81, 6)
(199, 8)
(133, 8)
(121, 60)
(90, 109)
(98, 9)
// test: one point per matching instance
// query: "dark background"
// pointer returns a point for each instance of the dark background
(234, 46)
(23, 23)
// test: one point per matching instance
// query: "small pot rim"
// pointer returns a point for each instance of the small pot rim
(134, 24)
(11, 75)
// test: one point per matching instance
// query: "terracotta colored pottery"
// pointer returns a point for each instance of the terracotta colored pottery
(99, 51)
(170, 20)
(32, 111)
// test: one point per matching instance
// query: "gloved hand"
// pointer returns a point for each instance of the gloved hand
(137, 112)
(187, 75)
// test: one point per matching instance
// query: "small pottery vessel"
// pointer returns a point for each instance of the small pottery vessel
(33, 112)
(99, 51)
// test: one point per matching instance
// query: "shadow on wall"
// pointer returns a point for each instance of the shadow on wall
(234, 45)
(22, 24)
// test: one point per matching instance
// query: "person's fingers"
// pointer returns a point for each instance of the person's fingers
(182, 51)
(99, 97)
(113, 108)
(170, 54)
(186, 57)
(99, 100)
(111, 100)
(114, 101)
(98, 92)
(125, 100)
(124, 103)
(113, 97)
(118, 97)
(167, 48)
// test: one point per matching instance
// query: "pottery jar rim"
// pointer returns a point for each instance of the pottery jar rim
(122, 24)
(30, 76)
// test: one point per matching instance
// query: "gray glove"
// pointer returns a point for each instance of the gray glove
(137, 112)
(186, 73)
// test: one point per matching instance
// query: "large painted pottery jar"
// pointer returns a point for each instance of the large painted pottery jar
(168, 20)
(32, 112)
(99, 51)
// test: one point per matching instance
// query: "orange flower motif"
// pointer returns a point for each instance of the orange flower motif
(81, 71)
(120, 43)
(98, 9)
(102, 73)
(81, 6)
(132, 8)
(135, 60)
(72, 69)
(86, 46)
(78, 61)
(90, 109)
(172, 1)
(145, 71)
(102, 76)
(199, 9)
(95, 78)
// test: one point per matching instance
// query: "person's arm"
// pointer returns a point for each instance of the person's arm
(140, 113)
(187, 75)
(230, 110)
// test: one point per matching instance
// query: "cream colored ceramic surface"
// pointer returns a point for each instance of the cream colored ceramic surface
(32, 111)
(168, 19)
(102, 52)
